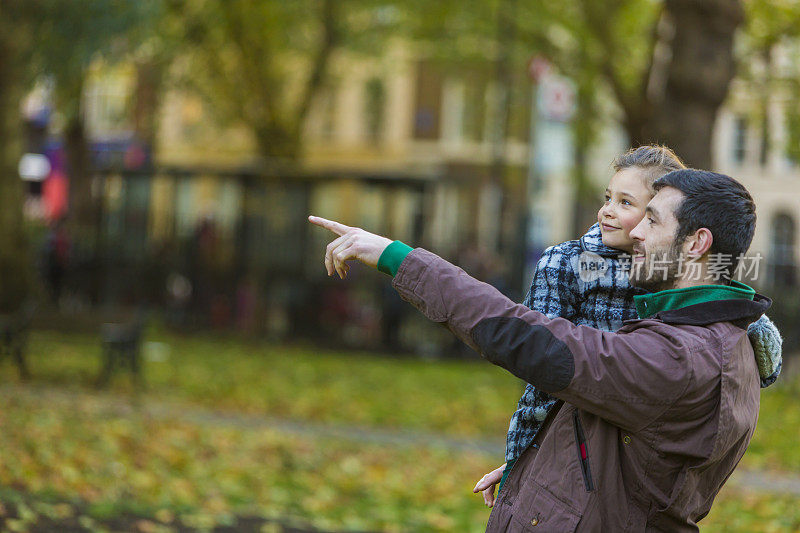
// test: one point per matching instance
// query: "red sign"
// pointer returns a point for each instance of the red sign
(556, 98)
(538, 68)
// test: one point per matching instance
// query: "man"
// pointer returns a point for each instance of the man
(654, 417)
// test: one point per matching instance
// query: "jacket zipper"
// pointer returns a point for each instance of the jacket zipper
(551, 414)
(583, 452)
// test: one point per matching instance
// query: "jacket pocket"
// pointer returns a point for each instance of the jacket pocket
(537, 510)
(583, 452)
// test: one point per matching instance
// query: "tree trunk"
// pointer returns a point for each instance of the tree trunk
(584, 127)
(502, 108)
(698, 76)
(149, 78)
(76, 149)
(639, 129)
(584, 211)
(85, 211)
(766, 130)
(15, 266)
(278, 146)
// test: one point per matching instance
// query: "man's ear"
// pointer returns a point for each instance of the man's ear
(698, 243)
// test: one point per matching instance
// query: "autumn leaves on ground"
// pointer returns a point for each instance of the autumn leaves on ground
(230, 435)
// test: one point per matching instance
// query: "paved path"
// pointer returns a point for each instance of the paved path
(115, 405)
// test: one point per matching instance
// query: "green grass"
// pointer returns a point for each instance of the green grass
(775, 443)
(736, 510)
(298, 382)
(113, 461)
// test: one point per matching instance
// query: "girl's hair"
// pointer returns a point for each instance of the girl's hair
(655, 159)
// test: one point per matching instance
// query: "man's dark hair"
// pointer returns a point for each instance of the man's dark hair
(717, 202)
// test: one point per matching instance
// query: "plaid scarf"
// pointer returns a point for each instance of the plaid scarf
(585, 282)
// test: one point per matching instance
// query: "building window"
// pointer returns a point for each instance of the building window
(428, 101)
(329, 109)
(792, 118)
(453, 111)
(782, 256)
(519, 115)
(739, 139)
(374, 104)
(106, 103)
(474, 110)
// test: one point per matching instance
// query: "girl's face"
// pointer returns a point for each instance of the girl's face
(627, 196)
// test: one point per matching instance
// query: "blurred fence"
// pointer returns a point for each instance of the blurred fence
(234, 250)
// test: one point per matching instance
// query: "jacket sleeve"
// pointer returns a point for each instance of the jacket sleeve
(627, 378)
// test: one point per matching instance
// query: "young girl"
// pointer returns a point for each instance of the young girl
(602, 297)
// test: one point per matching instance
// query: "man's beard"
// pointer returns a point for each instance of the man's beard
(659, 270)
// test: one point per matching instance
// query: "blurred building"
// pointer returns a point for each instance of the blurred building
(392, 116)
(399, 113)
(410, 147)
(757, 140)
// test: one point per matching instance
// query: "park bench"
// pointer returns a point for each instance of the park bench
(14, 335)
(121, 343)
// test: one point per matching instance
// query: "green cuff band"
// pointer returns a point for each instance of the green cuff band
(392, 256)
(506, 472)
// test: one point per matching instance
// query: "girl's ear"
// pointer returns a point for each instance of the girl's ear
(698, 243)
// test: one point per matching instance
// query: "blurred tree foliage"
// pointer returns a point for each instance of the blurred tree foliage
(56, 40)
(666, 65)
(16, 42)
(770, 24)
(68, 40)
(263, 63)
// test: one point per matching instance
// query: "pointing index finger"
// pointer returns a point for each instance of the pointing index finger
(336, 227)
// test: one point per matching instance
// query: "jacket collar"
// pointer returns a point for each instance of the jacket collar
(704, 304)
(592, 241)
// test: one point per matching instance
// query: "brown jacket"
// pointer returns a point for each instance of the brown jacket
(654, 418)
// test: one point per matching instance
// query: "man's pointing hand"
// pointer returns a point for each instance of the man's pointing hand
(352, 243)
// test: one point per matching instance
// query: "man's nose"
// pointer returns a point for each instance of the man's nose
(637, 233)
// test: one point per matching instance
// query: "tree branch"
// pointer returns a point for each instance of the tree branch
(256, 64)
(632, 102)
(331, 38)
